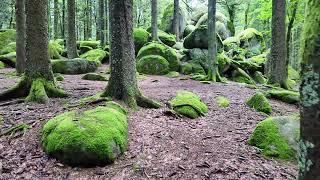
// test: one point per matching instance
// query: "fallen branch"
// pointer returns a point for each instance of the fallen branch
(13, 130)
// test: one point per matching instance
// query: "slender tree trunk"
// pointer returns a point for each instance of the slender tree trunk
(56, 19)
(90, 20)
(63, 34)
(246, 16)
(309, 161)
(21, 36)
(101, 22)
(11, 26)
(154, 20)
(278, 72)
(71, 41)
(123, 80)
(49, 18)
(176, 22)
(290, 26)
(106, 24)
(213, 74)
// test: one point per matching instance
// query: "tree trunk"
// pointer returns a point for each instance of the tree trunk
(175, 22)
(56, 19)
(246, 16)
(38, 80)
(290, 26)
(123, 80)
(106, 21)
(101, 22)
(21, 36)
(89, 24)
(278, 71)
(71, 41)
(309, 162)
(63, 34)
(11, 26)
(213, 74)
(154, 20)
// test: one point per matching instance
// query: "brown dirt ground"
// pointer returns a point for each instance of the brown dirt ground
(160, 146)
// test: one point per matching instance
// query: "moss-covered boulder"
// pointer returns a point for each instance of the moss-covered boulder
(11, 47)
(84, 49)
(167, 39)
(74, 66)
(260, 103)
(186, 68)
(7, 36)
(199, 39)
(153, 64)
(167, 19)
(93, 44)
(188, 104)
(222, 101)
(252, 40)
(172, 74)
(287, 96)
(277, 137)
(89, 138)
(188, 30)
(141, 37)
(162, 50)
(55, 50)
(9, 59)
(241, 76)
(94, 77)
(96, 55)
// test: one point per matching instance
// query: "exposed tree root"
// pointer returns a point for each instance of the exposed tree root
(11, 131)
(145, 102)
(35, 90)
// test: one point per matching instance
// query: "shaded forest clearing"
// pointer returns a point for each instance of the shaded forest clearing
(160, 145)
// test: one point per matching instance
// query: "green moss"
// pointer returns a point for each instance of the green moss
(96, 55)
(161, 50)
(253, 41)
(223, 62)
(222, 101)
(153, 64)
(259, 77)
(116, 106)
(172, 74)
(11, 47)
(93, 44)
(84, 49)
(7, 36)
(141, 37)
(293, 74)
(188, 104)
(55, 50)
(242, 77)
(260, 103)
(89, 138)
(167, 18)
(199, 77)
(74, 66)
(167, 39)
(59, 77)
(9, 59)
(94, 77)
(277, 137)
(188, 30)
(186, 68)
(287, 96)
(2, 65)
(231, 40)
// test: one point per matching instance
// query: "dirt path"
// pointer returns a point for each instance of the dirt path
(160, 146)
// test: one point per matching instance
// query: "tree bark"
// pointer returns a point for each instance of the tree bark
(56, 19)
(176, 18)
(63, 34)
(21, 36)
(278, 71)
(154, 20)
(101, 22)
(309, 162)
(290, 26)
(71, 41)
(123, 79)
(106, 21)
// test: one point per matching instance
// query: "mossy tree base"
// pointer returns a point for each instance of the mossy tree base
(35, 90)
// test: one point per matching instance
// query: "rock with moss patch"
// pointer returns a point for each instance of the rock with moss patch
(260, 103)
(188, 104)
(141, 37)
(74, 66)
(94, 77)
(287, 96)
(252, 40)
(167, 39)
(277, 137)
(93, 44)
(162, 50)
(96, 55)
(172, 74)
(9, 59)
(7, 36)
(55, 49)
(153, 64)
(186, 68)
(199, 39)
(90, 138)
(222, 101)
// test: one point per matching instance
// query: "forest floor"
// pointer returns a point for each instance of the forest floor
(160, 146)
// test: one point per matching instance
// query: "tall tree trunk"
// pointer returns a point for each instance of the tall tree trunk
(290, 26)
(154, 20)
(56, 19)
(63, 34)
(21, 36)
(89, 24)
(176, 22)
(246, 16)
(49, 18)
(123, 81)
(309, 162)
(11, 26)
(101, 22)
(38, 82)
(106, 21)
(71, 41)
(278, 71)
(213, 74)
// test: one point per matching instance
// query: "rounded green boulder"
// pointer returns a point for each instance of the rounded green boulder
(153, 64)
(91, 138)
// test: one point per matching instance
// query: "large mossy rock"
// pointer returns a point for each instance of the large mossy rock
(9, 59)
(153, 64)
(162, 50)
(55, 49)
(93, 44)
(252, 40)
(96, 55)
(7, 36)
(277, 137)
(89, 138)
(94, 77)
(199, 39)
(287, 96)
(74, 66)
(166, 38)
(141, 37)
(188, 104)
(260, 103)
(167, 19)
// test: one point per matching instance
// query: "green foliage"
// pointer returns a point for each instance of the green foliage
(242, 77)
(11, 47)
(7, 36)
(94, 77)
(287, 96)
(222, 101)
(153, 64)
(2, 65)
(260, 103)
(96, 55)
(74, 66)
(55, 50)
(188, 104)
(252, 40)
(259, 77)
(89, 138)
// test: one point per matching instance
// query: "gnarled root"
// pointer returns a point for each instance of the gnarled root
(145, 102)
